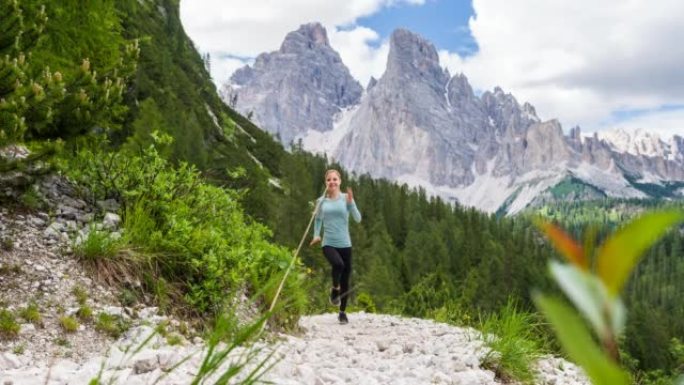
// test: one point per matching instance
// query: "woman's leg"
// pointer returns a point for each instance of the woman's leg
(336, 262)
(346, 256)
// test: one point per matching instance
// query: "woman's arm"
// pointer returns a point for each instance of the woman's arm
(318, 220)
(351, 205)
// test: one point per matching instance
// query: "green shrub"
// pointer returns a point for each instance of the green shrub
(9, 328)
(10, 269)
(365, 302)
(161, 328)
(69, 324)
(128, 297)
(31, 313)
(512, 337)
(452, 312)
(85, 313)
(174, 339)
(19, 349)
(198, 240)
(32, 199)
(7, 244)
(112, 325)
(80, 293)
(62, 341)
(43, 103)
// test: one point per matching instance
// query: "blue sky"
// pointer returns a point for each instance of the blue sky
(444, 23)
(599, 65)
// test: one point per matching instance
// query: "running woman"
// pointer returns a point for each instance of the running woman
(333, 216)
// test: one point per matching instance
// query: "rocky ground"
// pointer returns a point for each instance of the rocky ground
(51, 307)
(371, 349)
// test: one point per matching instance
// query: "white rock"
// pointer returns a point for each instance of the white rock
(9, 361)
(111, 221)
(27, 328)
(145, 365)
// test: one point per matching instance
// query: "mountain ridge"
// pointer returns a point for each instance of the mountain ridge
(419, 125)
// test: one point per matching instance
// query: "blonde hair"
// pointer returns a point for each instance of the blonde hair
(326, 177)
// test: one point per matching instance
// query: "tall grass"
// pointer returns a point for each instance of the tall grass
(9, 328)
(97, 245)
(512, 336)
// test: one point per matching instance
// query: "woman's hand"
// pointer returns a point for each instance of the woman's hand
(315, 241)
(350, 195)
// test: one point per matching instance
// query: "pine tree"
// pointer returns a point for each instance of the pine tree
(18, 92)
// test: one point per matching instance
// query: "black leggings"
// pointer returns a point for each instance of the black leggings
(340, 259)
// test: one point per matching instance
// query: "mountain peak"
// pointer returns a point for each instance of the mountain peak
(297, 88)
(411, 53)
(308, 36)
(459, 87)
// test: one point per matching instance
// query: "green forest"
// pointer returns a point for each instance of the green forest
(115, 96)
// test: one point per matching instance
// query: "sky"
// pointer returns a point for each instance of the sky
(597, 64)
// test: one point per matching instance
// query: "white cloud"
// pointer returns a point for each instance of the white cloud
(223, 67)
(357, 50)
(578, 61)
(664, 123)
(246, 28)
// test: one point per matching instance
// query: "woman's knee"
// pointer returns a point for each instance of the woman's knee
(338, 265)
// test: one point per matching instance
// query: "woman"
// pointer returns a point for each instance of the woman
(333, 215)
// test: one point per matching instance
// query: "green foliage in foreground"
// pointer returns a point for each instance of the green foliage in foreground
(653, 291)
(593, 281)
(195, 234)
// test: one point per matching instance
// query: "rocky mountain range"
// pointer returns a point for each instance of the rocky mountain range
(422, 126)
(298, 88)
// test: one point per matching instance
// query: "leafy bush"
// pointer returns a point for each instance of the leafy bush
(453, 313)
(365, 302)
(195, 234)
(174, 339)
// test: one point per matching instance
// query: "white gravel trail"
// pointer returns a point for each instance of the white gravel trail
(371, 349)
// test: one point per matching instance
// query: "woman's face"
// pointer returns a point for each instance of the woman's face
(332, 182)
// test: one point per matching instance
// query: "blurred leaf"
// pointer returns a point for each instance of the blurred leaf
(584, 290)
(564, 244)
(591, 297)
(577, 342)
(621, 252)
